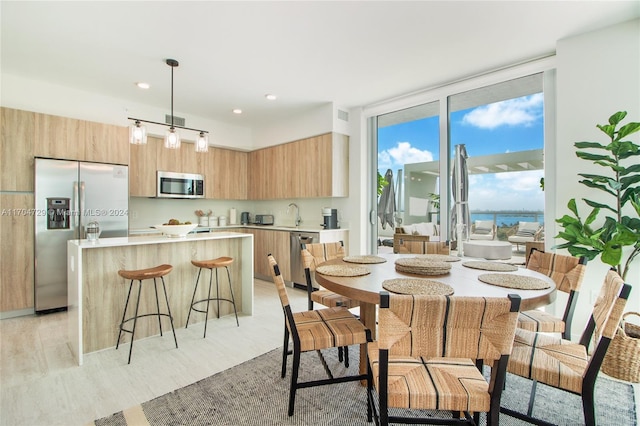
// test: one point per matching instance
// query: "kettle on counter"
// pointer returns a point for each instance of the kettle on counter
(244, 218)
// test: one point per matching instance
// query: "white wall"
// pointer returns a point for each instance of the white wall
(47, 98)
(597, 75)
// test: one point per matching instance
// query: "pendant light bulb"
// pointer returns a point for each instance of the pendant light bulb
(137, 134)
(172, 139)
(202, 142)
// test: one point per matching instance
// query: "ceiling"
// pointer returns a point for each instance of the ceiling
(307, 53)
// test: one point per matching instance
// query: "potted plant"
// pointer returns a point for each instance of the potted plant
(621, 182)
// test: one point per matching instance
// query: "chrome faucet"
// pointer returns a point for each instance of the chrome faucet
(298, 219)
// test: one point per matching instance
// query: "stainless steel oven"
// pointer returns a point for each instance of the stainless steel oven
(180, 185)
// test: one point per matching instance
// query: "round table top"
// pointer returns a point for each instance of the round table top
(464, 280)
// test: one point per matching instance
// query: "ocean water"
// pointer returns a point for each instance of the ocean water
(509, 218)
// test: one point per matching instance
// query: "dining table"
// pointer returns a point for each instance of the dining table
(463, 279)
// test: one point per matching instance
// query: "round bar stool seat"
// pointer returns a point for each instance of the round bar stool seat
(211, 264)
(139, 275)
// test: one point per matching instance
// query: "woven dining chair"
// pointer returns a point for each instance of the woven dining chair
(312, 256)
(315, 330)
(430, 353)
(568, 273)
(566, 365)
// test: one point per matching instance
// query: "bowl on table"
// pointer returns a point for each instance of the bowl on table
(176, 231)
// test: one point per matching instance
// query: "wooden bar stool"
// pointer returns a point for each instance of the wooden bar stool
(140, 275)
(220, 262)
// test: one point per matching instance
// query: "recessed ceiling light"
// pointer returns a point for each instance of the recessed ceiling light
(237, 111)
(270, 97)
(143, 85)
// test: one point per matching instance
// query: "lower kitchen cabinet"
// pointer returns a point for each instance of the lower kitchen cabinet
(16, 256)
(270, 242)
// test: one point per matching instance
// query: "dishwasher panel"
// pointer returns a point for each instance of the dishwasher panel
(297, 269)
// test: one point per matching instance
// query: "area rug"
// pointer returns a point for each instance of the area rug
(253, 393)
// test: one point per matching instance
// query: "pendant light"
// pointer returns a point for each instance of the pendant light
(137, 134)
(171, 136)
(172, 140)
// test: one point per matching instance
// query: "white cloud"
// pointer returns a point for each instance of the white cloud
(513, 112)
(403, 153)
(506, 191)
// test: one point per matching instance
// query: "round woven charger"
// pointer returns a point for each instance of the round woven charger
(342, 270)
(417, 286)
(423, 271)
(490, 266)
(364, 259)
(520, 282)
(439, 257)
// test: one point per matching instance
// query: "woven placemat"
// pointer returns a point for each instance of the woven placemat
(369, 258)
(421, 266)
(342, 270)
(490, 266)
(520, 282)
(417, 286)
(439, 257)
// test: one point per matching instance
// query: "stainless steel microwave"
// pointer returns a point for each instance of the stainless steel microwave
(180, 185)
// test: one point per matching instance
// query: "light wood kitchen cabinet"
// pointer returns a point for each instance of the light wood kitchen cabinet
(270, 241)
(143, 166)
(16, 254)
(105, 143)
(16, 149)
(314, 167)
(226, 174)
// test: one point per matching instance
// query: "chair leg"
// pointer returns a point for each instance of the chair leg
(233, 299)
(135, 321)
(340, 354)
(124, 313)
(217, 295)
(346, 356)
(206, 315)
(155, 288)
(166, 298)
(285, 352)
(193, 298)
(294, 381)
(589, 407)
(532, 397)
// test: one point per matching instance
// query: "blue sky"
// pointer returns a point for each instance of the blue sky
(501, 127)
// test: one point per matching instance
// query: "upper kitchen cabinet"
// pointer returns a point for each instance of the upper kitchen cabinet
(314, 167)
(16, 149)
(71, 139)
(226, 174)
(105, 143)
(143, 167)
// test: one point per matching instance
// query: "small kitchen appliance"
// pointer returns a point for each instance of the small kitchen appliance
(244, 218)
(330, 218)
(264, 219)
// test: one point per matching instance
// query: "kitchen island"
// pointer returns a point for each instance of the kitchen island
(97, 294)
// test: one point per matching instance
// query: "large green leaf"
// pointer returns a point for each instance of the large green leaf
(626, 149)
(631, 169)
(612, 254)
(617, 117)
(609, 129)
(628, 129)
(595, 178)
(586, 144)
(572, 206)
(596, 186)
(594, 157)
(629, 180)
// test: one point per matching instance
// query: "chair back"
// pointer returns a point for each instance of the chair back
(278, 281)
(316, 253)
(607, 310)
(566, 271)
(437, 247)
(447, 326)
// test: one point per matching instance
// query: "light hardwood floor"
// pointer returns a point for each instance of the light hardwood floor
(41, 385)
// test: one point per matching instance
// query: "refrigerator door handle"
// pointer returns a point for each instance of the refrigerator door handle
(74, 207)
(81, 212)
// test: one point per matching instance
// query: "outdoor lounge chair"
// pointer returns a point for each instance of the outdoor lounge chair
(483, 230)
(526, 232)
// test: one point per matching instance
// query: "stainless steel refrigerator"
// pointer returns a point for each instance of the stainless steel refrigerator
(69, 195)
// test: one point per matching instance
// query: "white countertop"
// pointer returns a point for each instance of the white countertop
(155, 239)
(287, 228)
